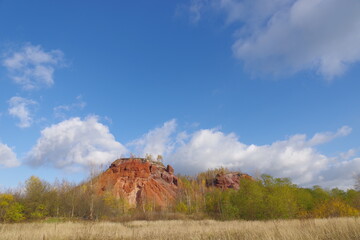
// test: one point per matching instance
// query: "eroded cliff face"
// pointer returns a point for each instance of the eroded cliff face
(229, 180)
(140, 181)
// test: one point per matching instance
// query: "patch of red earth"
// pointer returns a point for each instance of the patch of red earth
(140, 181)
(230, 180)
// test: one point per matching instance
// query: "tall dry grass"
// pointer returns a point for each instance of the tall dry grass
(336, 228)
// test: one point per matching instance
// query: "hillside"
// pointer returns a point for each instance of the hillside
(140, 181)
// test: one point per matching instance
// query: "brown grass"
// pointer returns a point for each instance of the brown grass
(336, 228)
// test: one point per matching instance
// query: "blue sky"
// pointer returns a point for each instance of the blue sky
(253, 85)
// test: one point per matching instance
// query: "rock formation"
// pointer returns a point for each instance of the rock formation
(229, 180)
(140, 181)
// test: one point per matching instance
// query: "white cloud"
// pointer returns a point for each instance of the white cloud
(288, 36)
(296, 157)
(62, 110)
(253, 12)
(20, 107)
(196, 8)
(78, 143)
(320, 138)
(211, 148)
(32, 67)
(348, 154)
(7, 157)
(157, 141)
(75, 143)
(339, 173)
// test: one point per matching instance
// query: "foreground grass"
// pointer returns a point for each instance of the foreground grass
(336, 228)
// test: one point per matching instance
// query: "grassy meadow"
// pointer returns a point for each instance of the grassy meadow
(332, 228)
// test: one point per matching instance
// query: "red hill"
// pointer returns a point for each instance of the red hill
(140, 181)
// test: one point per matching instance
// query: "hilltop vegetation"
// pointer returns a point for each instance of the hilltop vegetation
(260, 199)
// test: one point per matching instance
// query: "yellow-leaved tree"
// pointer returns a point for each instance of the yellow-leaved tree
(10, 210)
(335, 208)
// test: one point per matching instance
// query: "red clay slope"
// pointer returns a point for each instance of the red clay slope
(229, 180)
(140, 181)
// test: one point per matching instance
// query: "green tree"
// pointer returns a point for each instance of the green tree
(250, 200)
(10, 210)
(305, 202)
(36, 199)
(353, 198)
(181, 207)
(280, 199)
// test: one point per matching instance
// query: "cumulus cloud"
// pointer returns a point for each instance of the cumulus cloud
(7, 157)
(288, 36)
(20, 107)
(157, 141)
(295, 157)
(32, 67)
(75, 143)
(210, 148)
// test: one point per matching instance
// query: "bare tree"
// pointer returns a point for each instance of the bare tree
(159, 158)
(149, 157)
(357, 182)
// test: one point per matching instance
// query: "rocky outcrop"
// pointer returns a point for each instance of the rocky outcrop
(140, 182)
(229, 180)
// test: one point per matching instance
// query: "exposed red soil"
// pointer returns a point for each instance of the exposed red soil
(140, 181)
(230, 180)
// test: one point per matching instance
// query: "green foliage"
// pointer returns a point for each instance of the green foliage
(261, 199)
(14, 213)
(181, 207)
(320, 195)
(10, 210)
(39, 212)
(352, 198)
(278, 198)
(37, 198)
(192, 193)
(115, 205)
(305, 200)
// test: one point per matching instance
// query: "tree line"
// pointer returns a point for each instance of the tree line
(261, 199)
(266, 198)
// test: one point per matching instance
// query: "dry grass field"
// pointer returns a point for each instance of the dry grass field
(340, 228)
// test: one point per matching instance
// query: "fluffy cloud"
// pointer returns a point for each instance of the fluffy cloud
(78, 143)
(32, 67)
(210, 148)
(7, 157)
(20, 107)
(288, 36)
(157, 141)
(75, 143)
(296, 157)
(320, 138)
(340, 173)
